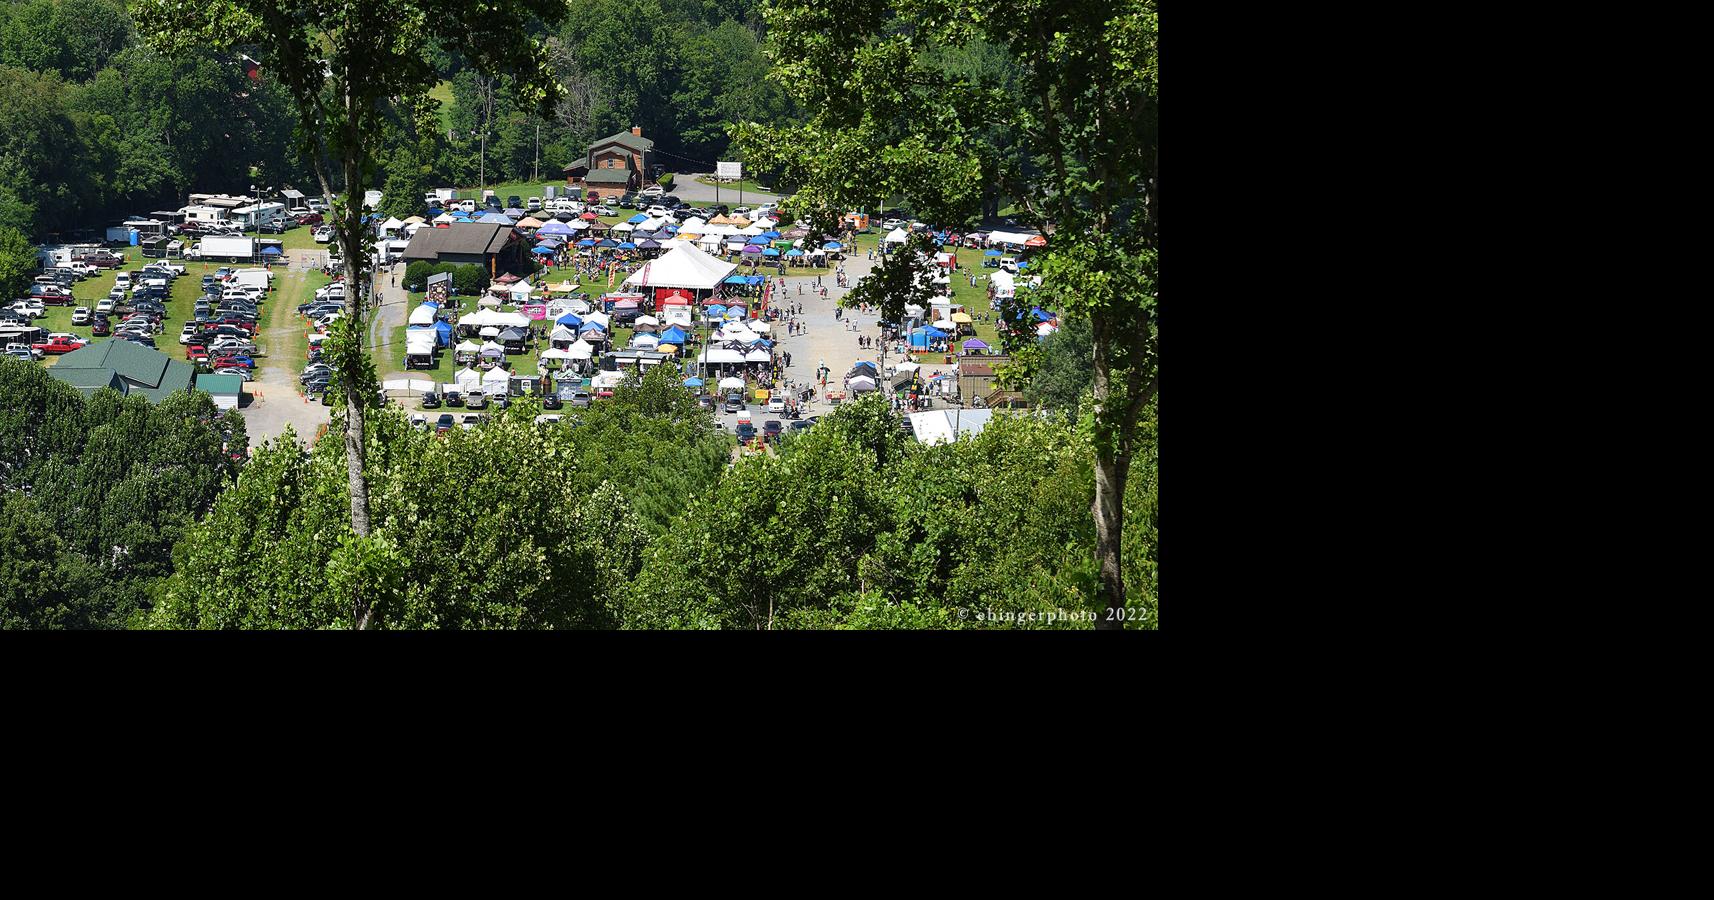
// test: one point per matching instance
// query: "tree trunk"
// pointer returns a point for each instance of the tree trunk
(1112, 466)
(351, 241)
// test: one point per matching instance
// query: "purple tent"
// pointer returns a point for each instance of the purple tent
(752, 248)
(975, 344)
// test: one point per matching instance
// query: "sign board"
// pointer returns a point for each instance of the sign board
(732, 170)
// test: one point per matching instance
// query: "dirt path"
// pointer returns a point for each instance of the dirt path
(274, 400)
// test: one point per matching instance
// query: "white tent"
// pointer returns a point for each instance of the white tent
(444, 219)
(488, 301)
(467, 347)
(492, 347)
(423, 315)
(861, 383)
(580, 306)
(496, 378)
(760, 327)
(711, 242)
(645, 341)
(599, 318)
(562, 333)
(468, 380)
(906, 367)
(490, 331)
(480, 318)
(581, 350)
(624, 226)
(648, 320)
(752, 231)
(1003, 284)
(577, 225)
(944, 324)
(720, 355)
(897, 236)
(391, 226)
(521, 292)
(731, 384)
(758, 355)
(653, 224)
(556, 353)
(420, 343)
(912, 309)
(512, 320)
(692, 224)
(1008, 237)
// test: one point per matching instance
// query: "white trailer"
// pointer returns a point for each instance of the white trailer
(216, 247)
(256, 278)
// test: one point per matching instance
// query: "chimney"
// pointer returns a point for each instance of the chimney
(637, 130)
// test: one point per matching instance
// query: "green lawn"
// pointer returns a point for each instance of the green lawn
(289, 348)
(734, 187)
(443, 93)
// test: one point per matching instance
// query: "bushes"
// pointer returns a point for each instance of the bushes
(469, 280)
(666, 181)
(417, 274)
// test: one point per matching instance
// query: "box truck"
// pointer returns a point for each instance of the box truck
(213, 247)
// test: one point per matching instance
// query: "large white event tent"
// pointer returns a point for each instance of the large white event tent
(897, 236)
(731, 384)
(468, 380)
(496, 381)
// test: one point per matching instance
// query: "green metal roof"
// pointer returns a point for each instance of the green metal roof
(627, 138)
(129, 367)
(608, 176)
(220, 384)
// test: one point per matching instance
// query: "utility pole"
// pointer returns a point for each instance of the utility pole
(535, 167)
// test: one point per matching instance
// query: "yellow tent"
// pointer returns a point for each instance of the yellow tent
(740, 222)
(719, 220)
(961, 318)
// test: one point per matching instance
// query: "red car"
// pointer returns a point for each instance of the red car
(52, 297)
(309, 219)
(102, 327)
(59, 345)
(103, 260)
(242, 362)
(196, 353)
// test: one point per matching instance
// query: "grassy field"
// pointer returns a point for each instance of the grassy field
(746, 185)
(285, 333)
(181, 305)
(443, 93)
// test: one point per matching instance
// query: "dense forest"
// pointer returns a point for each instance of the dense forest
(94, 125)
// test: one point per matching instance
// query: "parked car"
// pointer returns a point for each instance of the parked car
(705, 402)
(734, 403)
(24, 352)
(580, 399)
(189, 331)
(431, 400)
(33, 309)
(534, 204)
(233, 370)
(60, 343)
(311, 218)
(777, 405)
(470, 422)
(746, 432)
(653, 191)
(772, 429)
(101, 327)
(443, 424)
(453, 400)
(233, 360)
(514, 202)
(476, 401)
(805, 424)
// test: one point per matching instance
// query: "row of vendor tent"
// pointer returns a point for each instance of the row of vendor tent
(726, 356)
(495, 380)
(471, 348)
(437, 335)
(486, 317)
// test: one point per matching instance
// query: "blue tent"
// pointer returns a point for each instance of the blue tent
(545, 251)
(673, 335)
(569, 320)
(715, 309)
(555, 228)
(758, 239)
(931, 331)
(693, 382)
(431, 304)
(756, 279)
(770, 235)
(1041, 315)
(436, 212)
(992, 253)
(737, 279)
(627, 245)
(770, 252)
(639, 217)
(270, 251)
(921, 336)
(443, 334)
(586, 242)
(833, 245)
(591, 326)
(794, 252)
(606, 243)
(494, 218)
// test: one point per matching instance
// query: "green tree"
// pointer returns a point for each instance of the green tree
(347, 65)
(470, 280)
(1088, 112)
(17, 262)
(1064, 370)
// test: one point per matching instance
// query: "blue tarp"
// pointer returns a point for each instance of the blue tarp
(591, 326)
(737, 279)
(638, 218)
(992, 253)
(930, 331)
(545, 251)
(833, 245)
(693, 382)
(673, 335)
(794, 252)
(770, 235)
(270, 251)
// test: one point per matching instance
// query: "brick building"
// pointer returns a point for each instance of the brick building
(615, 164)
